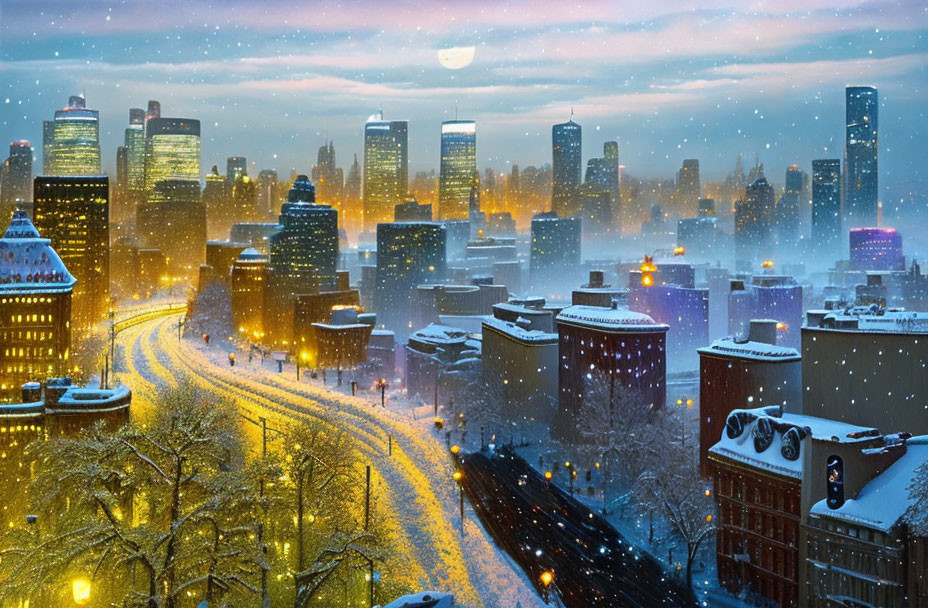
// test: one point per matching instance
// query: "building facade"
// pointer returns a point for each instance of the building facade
(71, 142)
(249, 294)
(386, 169)
(876, 249)
(555, 247)
(567, 167)
(458, 168)
(861, 152)
(826, 204)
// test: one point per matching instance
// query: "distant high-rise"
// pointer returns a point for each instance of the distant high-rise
(219, 216)
(134, 143)
(73, 213)
(787, 211)
(386, 169)
(860, 157)
(303, 255)
(412, 211)
(555, 246)
(172, 151)
(245, 199)
(236, 166)
(409, 254)
(71, 142)
(754, 221)
(458, 165)
(173, 219)
(826, 203)
(877, 249)
(17, 176)
(267, 191)
(566, 148)
(600, 191)
(688, 188)
(327, 177)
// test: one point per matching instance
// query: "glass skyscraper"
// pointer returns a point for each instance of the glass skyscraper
(386, 171)
(134, 143)
(566, 140)
(172, 151)
(787, 215)
(860, 156)
(458, 167)
(826, 203)
(71, 142)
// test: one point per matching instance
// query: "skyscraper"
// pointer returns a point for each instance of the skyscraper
(35, 309)
(860, 156)
(787, 212)
(688, 188)
(555, 246)
(267, 191)
(386, 171)
(73, 213)
(826, 203)
(754, 221)
(566, 148)
(303, 257)
(245, 199)
(600, 191)
(458, 165)
(408, 254)
(172, 151)
(173, 219)
(219, 215)
(71, 142)
(235, 166)
(134, 142)
(327, 177)
(17, 176)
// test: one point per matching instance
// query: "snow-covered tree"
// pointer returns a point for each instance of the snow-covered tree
(917, 514)
(614, 428)
(672, 486)
(210, 312)
(155, 511)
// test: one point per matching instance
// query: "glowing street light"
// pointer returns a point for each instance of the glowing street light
(547, 577)
(458, 476)
(382, 385)
(80, 590)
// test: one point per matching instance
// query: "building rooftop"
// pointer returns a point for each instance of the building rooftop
(517, 332)
(768, 439)
(883, 501)
(609, 319)
(758, 351)
(28, 262)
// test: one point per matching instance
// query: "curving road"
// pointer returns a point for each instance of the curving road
(413, 484)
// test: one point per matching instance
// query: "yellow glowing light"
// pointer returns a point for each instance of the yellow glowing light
(708, 493)
(708, 519)
(457, 475)
(646, 280)
(767, 264)
(781, 326)
(548, 475)
(547, 577)
(80, 589)
(455, 449)
(679, 250)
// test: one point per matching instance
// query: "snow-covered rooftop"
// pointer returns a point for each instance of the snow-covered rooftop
(760, 351)
(28, 262)
(768, 439)
(520, 333)
(884, 500)
(609, 319)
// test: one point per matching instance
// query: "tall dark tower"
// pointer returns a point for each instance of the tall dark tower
(826, 203)
(860, 157)
(754, 221)
(566, 152)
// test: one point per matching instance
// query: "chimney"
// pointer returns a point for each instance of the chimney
(763, 330)
(596, 278)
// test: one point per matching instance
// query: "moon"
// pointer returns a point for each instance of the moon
(456, 57)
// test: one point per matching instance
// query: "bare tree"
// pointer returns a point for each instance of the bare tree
(158, 510)
(613, 426)
(210, 311)
(673, 487)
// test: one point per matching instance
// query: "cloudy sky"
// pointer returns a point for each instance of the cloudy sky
(271, 79)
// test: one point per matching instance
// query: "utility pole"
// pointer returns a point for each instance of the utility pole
(367, 500)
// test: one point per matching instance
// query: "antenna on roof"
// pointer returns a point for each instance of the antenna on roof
(381, 110)
(455, 110)
(571, 112)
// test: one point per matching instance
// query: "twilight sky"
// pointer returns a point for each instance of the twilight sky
(271, 79)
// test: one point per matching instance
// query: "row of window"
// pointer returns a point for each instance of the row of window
(29, 318)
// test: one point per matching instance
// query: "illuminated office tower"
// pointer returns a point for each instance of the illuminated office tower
(245, 199)
(386, 171)
(173, 219)
(409, 254)
(860, 157)
(216, 200)
(134, 143)
(327, 177)
(35, 309)
(787, 211)
(172, 151)
(304, 255)
(71, 142)
(458, 165)
(17, 176)
(566, 146)
(236, 166)
(826, 204)
(73, 213)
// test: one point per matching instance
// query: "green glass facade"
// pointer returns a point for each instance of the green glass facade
(72, 143)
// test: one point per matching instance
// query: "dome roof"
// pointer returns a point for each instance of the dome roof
(27, 261)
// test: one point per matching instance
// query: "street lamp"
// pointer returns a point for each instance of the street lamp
(548, 476)
(458, 476)
(80, 590)
(382, 385)
(547, 577)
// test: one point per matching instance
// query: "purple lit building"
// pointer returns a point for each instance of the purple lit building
(876, 249)
(767, 296)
